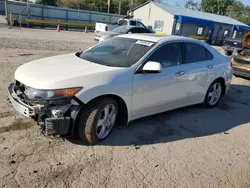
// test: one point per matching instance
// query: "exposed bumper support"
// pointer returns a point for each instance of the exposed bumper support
(19, 106)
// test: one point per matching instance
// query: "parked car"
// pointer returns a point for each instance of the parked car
(119, 80)
(233, 43)
(102, 27)
(241, 58)
(101, 36)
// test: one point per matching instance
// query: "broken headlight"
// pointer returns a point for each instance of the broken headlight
(38, 94)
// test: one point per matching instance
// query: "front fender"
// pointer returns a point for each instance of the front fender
(122, 91)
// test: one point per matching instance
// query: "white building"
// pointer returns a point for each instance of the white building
(172, 20)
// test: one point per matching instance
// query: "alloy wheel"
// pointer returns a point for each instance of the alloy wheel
(106, 121)
(214, 93)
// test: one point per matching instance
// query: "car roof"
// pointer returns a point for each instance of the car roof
(131, 26)
(157, 38)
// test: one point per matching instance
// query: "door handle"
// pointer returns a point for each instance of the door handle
(180, 73)
(210, 66)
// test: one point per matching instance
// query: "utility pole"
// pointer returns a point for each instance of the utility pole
(119, 12)
(28, 7)
(108, 3)
(6, 9)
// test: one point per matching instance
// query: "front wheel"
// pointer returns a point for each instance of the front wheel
(97, 120)
(213, 95)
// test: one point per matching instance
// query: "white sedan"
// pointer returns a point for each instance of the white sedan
(117, 81)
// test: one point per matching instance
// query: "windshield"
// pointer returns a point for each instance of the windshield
(121, 29)
(122, 22)
(238, 34)
(118, 52)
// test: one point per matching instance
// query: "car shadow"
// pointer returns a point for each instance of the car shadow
(184, 123)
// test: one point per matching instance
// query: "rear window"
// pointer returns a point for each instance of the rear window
(122, 22)
(209, 55)
(237, 34)
(133, 23)
(195, 53)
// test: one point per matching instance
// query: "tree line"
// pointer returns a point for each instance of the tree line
(233, 8)
(116, 6)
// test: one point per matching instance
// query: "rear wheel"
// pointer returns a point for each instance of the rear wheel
(214, 94)
(97, 120)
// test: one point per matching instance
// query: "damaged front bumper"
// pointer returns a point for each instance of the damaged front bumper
(18, 105)
(54, 118)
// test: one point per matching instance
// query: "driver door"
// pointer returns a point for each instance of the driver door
(157, 92)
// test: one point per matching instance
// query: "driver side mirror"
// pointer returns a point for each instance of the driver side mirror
(152, 67)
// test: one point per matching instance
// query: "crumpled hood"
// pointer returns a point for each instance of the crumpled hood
(57, 71)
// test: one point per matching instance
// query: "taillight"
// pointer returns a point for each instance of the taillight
(106, 28)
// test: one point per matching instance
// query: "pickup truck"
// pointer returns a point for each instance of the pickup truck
(101, 27)
(233, 43)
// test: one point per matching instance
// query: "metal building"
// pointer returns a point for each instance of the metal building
(167, 19)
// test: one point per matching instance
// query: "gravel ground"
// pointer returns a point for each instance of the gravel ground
(190, 147)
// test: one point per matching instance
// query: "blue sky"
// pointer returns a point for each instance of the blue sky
(182, 2)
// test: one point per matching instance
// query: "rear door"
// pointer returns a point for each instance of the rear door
(198, 72)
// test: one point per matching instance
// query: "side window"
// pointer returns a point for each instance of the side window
(237, 34)
(123, 22)
(195, 53)
(133, 23)
(140, 24)
(168, 55)
(209, 55)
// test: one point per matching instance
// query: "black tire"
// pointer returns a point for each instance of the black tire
(229, 53)
(206, 100)
(87, 121)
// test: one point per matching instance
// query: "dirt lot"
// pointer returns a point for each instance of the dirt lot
(190, 147)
